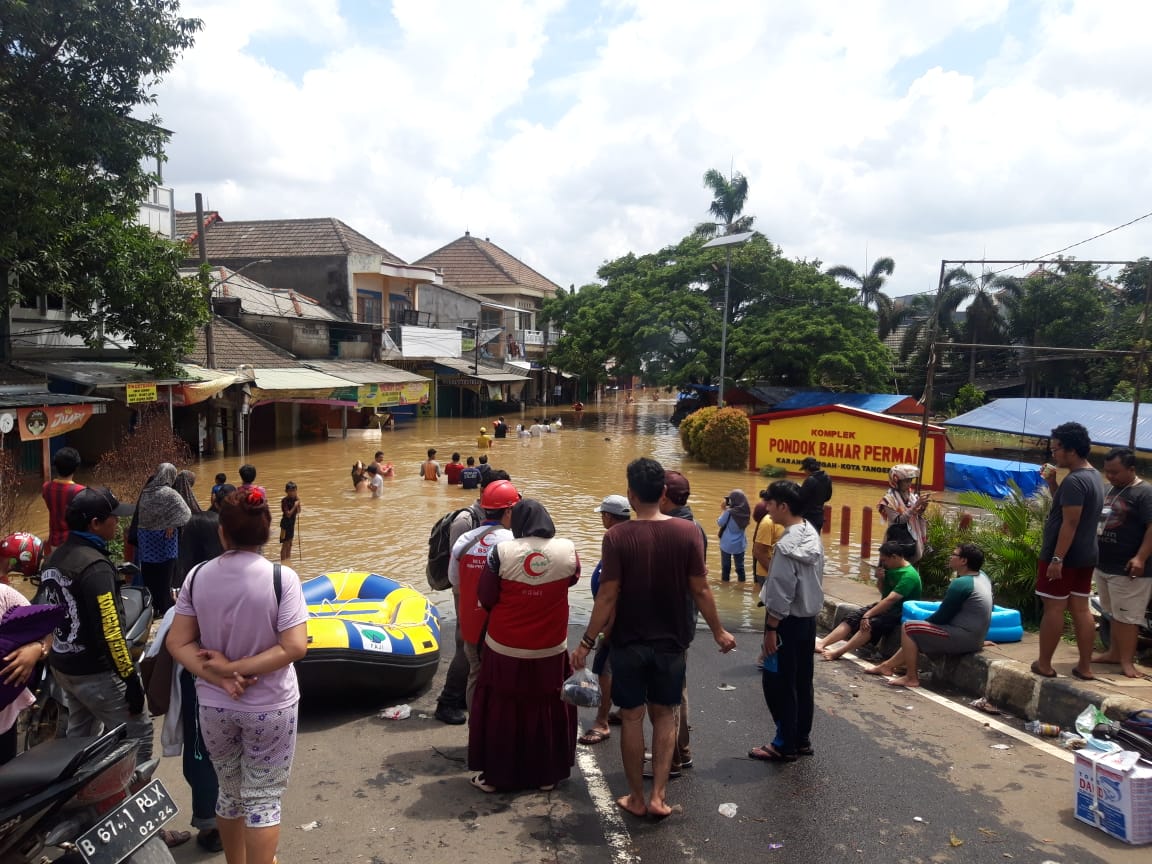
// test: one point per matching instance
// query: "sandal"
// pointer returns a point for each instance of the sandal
(594, 736)
(768, 753)
(1035, 668)
(172, 839)
(477, 782)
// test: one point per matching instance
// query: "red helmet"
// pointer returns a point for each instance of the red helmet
(24, 552)
(499, 495)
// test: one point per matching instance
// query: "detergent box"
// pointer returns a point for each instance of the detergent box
(1114, 793)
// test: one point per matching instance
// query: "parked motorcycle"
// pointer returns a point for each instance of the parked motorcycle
(48, 718)
(87, 798)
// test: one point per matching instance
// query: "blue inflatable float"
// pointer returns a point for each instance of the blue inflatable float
(1006, 623)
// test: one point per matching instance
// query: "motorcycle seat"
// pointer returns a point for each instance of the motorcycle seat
(44, 764)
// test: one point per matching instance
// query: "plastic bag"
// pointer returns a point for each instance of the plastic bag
(1088, 719)
(581, 689)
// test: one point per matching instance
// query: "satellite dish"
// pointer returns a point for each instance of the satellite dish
(7, 423)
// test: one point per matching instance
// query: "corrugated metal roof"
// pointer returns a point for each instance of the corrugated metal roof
(94, 373)
(1108, 423)
(299, 378)
(365, 372)
(35, 399)
(878, 402)
(484, 373)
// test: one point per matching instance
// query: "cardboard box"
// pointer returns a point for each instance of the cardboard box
(1114, 793)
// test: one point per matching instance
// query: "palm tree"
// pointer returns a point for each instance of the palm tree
(728, 197)
(930, 312)
(986, 321)
(869, 285)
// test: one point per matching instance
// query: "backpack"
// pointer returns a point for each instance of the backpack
(440, 549)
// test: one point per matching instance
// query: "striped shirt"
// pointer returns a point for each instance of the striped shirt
(57, 496)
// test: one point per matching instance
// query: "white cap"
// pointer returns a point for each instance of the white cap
(615, 505)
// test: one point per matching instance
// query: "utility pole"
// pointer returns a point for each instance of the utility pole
(202, 244)
(1140, 358)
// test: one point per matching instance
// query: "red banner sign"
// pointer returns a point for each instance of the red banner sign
(51, 420)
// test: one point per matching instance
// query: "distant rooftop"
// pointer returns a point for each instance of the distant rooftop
(475, 264)
(280, 238)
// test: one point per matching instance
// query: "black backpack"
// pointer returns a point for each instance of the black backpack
(440, 549)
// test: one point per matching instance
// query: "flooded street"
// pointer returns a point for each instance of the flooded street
(570, 471)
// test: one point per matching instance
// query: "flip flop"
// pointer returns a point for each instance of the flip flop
(1076, 673)
(614, 718)
(594, 736)
(767, 753)
(1035, 667)
(172, 839)
(477, 782)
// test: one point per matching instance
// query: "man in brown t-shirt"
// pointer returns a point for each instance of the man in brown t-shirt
(652, 571)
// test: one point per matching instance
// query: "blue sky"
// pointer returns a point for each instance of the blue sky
(573, 132)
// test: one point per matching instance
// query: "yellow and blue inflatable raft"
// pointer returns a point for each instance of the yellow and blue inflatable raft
(368, 634)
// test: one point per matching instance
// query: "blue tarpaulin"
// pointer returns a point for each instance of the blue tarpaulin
(1108, 423)
(878, 402)
(990, 476)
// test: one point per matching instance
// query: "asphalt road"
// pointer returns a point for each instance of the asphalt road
(385, 792)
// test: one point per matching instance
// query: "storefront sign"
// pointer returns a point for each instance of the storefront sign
(49, 421)
(847, 442)
(140, 391)
(388, 395)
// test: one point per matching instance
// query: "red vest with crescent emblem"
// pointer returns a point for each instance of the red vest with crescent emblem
(531, 619)
(477, 543)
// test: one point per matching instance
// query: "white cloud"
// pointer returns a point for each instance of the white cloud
(570, 135)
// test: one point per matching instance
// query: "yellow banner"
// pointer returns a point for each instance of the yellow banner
(388, 395)
(140, 392)
(855, 446)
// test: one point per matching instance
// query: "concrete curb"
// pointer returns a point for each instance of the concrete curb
(1007, 684)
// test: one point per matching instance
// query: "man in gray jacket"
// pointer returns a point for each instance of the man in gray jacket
(793, 595)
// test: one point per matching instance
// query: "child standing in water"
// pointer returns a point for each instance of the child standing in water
(289, 510)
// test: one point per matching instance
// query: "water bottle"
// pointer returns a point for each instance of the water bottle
(1046, 730)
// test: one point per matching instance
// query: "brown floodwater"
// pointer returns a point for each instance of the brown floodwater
(570, 471)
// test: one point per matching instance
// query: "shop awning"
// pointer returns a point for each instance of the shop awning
(301, 384)
(38, 414)
(482, 373)
(101, 374)
(381, 385)
(365, 372)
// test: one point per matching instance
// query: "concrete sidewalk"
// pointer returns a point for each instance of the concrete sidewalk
(1002, 674)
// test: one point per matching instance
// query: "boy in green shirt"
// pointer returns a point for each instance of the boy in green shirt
(898, 582)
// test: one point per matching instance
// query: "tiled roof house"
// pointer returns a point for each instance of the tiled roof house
(514, 290)
(325, 259)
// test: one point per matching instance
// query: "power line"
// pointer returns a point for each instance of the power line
(1080, 243)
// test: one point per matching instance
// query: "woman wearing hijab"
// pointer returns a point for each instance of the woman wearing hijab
(162, 513)
(185, 480)
(733, 542)
(521, 735)
(901, 506)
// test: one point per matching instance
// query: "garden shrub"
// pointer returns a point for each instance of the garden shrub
(724, 442)
(696, 421)
(774, 472)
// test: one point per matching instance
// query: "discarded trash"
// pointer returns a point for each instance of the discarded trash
(908, 707)
(1001, 746)
(310, 826)
(1046, 730)
(954, 841)
(725, 687)
(982, 704)
(728, 809)
(1072, 741)
(396, 712)
(917, 818)
(422, 717)
(775, 845)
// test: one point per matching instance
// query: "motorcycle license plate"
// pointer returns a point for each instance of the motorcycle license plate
(119, 833)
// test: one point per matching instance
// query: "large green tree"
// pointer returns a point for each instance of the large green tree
(75, 164)
(658, 316)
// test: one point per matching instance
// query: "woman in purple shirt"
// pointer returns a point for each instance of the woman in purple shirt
(239, 635)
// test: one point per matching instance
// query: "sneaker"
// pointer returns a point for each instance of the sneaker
(686, 763)
(210, 840)
(451, 716)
